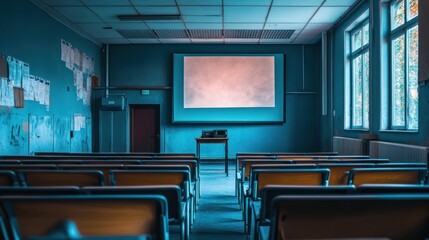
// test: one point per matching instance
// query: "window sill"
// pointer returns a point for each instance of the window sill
(357, 129)
(398, 131)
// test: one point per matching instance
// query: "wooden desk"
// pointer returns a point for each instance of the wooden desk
(211, 141)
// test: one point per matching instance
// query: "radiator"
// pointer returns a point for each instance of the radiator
(348, 146)
(397, 152)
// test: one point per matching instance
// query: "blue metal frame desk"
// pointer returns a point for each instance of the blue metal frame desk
(224, 141)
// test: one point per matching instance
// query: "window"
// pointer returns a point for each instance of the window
(404, 97)
(359, 87)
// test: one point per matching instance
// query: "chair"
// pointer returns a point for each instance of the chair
(8, 178)
(176, 208)
(105, 168)
(79, 178)
(260, 211)
(349, 216)
(339, 171)
(358, 176)
(50, 190)
(392, 188)
(93, 215)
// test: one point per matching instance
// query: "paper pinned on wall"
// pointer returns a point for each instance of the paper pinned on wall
(78, 122)
(78, 58)
(28, 85)
(64, 46)
(18, 73)
(47, 92)
(12, 68)
(6, 92)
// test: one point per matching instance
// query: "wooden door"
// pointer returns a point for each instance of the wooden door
(145, 133)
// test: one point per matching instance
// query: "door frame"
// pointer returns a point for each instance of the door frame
(130, 115)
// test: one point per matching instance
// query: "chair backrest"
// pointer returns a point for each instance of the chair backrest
(8, 178)
(339, 171)
(358, 176)
(350, 216)
(105, 168)
(15, 167)
(50, 190)
(192, 164)
(369, 160)
(248, 163)
(392, 188)
(94, 215)
(171, 193)
(269, 167)
(263, 177)
(269, 192)
(315, 161)
(79, 178)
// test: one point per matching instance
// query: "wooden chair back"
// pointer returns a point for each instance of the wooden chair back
(392, 188)
(94, 215)
(358, 176)
(16, 167)
(340, 171)
(248, 163)
(79, 178)
(343, 216)
(264, 177)
(105, 168)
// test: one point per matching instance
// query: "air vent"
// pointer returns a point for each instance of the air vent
(136, 33)
(206, 33)
(171, 33)
(277, 34)
(247, 33)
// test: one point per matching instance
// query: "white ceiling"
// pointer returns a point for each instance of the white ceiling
(201, 21)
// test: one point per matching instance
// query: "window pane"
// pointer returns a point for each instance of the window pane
(365, 86)
(366, 34)
(398, 81)
(398, 14)
(357, 40)
(357, 103)
(413, 67)
(413, 9)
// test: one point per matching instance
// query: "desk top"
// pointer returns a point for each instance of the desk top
(211, 140)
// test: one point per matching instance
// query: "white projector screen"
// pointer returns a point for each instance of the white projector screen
(228, 88)
(228, 81)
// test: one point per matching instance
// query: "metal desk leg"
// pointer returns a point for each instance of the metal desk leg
(226, 158)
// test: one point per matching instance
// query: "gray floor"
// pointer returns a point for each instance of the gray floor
(218, 215)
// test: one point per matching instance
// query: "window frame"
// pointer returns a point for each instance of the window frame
(393, 35)
(352, 55)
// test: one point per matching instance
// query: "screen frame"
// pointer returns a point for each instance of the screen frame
(228, 115)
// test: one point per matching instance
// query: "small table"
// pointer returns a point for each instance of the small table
(211, 141)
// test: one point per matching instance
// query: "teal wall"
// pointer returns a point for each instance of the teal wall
(418, 138)
(152, 65)
(31, 35)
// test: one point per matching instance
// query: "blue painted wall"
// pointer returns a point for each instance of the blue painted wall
(419, 138)
(152, 65)
(31, 35)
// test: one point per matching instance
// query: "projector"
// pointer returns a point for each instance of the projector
(214, 134)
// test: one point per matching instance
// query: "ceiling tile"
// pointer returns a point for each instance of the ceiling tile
(172, 41)
(328, 14)
(308, 3)
(284, 26)
(202, 19)
(245, 14)
(311, 33)
(291, 14)
(153, 2)
(243, 25)
(241, 41)
(98, 30)
(247, 2)
(159, 10)
(207, 41)
(275, 41)
(114, 40)
(106, 2)
(144, 41)
(199, 2)
(204, 25)
(344, 3)
(54, 3)
(129, 25)
(78, 14)
(159, 25)
(320, 26)
(110, 14)
(201, 10)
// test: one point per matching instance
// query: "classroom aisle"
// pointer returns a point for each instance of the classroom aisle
(218, 215)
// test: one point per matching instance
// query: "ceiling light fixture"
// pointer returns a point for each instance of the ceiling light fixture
(140, 17)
